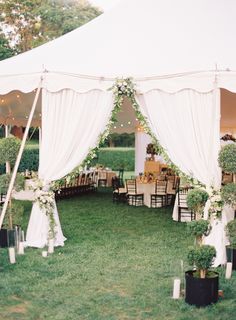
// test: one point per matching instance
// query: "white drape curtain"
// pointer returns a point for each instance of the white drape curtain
(186, 124)
(71, 125)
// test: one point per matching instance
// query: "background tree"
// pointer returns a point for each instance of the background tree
(5, 50)
(29, 23)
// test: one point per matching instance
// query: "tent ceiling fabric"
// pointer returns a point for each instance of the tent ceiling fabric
(15, 108)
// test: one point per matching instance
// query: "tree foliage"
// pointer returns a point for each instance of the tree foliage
(5, 50)
(9, 148)
(227, 158)
(196, 200)
(29, 23)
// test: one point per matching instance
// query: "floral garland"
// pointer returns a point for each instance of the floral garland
(45, 198)
(124, 88)
(216, 203)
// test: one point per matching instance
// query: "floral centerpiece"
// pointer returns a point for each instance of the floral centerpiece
(151, 149)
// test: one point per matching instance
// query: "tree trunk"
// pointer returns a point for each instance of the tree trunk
(202, 273)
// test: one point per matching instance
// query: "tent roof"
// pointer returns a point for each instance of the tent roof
(165, 44)
(136, 38)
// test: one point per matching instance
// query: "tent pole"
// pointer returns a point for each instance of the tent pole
(10, 188)
(7, 130)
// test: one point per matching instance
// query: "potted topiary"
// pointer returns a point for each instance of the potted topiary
(201, 284)
(11, 222)
(227, 159)
(9, 148)
(231, 249)
(196, 200)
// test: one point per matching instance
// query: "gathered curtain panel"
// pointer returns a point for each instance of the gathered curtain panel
(71, 125)
(187, 125)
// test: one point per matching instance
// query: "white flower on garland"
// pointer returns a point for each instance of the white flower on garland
(216, 204)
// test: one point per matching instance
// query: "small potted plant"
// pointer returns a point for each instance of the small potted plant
(231, 249)
(12, 219)
(196, 200)
(201, 283)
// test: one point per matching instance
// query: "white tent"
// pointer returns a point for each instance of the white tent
(179, 54)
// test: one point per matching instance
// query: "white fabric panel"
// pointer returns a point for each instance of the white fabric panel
(187, 125)
(71, 125)
(217, 236)
(141, 141)
(37, 231)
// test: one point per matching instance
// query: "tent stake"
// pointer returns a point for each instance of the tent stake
(12, 181)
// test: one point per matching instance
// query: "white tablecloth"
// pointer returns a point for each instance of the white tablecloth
(147, 189)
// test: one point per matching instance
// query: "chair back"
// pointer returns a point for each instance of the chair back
(95, 177)
(102, 175)
(82, 179)
(115, 182)
(177, 182)
(182, 196)
(160, 187)
(120, 176)
(131, 186)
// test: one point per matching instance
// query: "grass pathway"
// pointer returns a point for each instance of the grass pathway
(119, 262)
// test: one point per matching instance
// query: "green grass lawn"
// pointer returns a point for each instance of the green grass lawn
(118, 262)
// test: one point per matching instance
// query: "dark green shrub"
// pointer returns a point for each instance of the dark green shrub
(30, 159)
(196, 200)
(228, 194)
(5, 180)
(198, 228)
(9, 148)
(231, 232)
(116, 158)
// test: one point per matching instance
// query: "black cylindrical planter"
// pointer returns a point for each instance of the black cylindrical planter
(231, 256)
(201, 292)
(3, 238)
